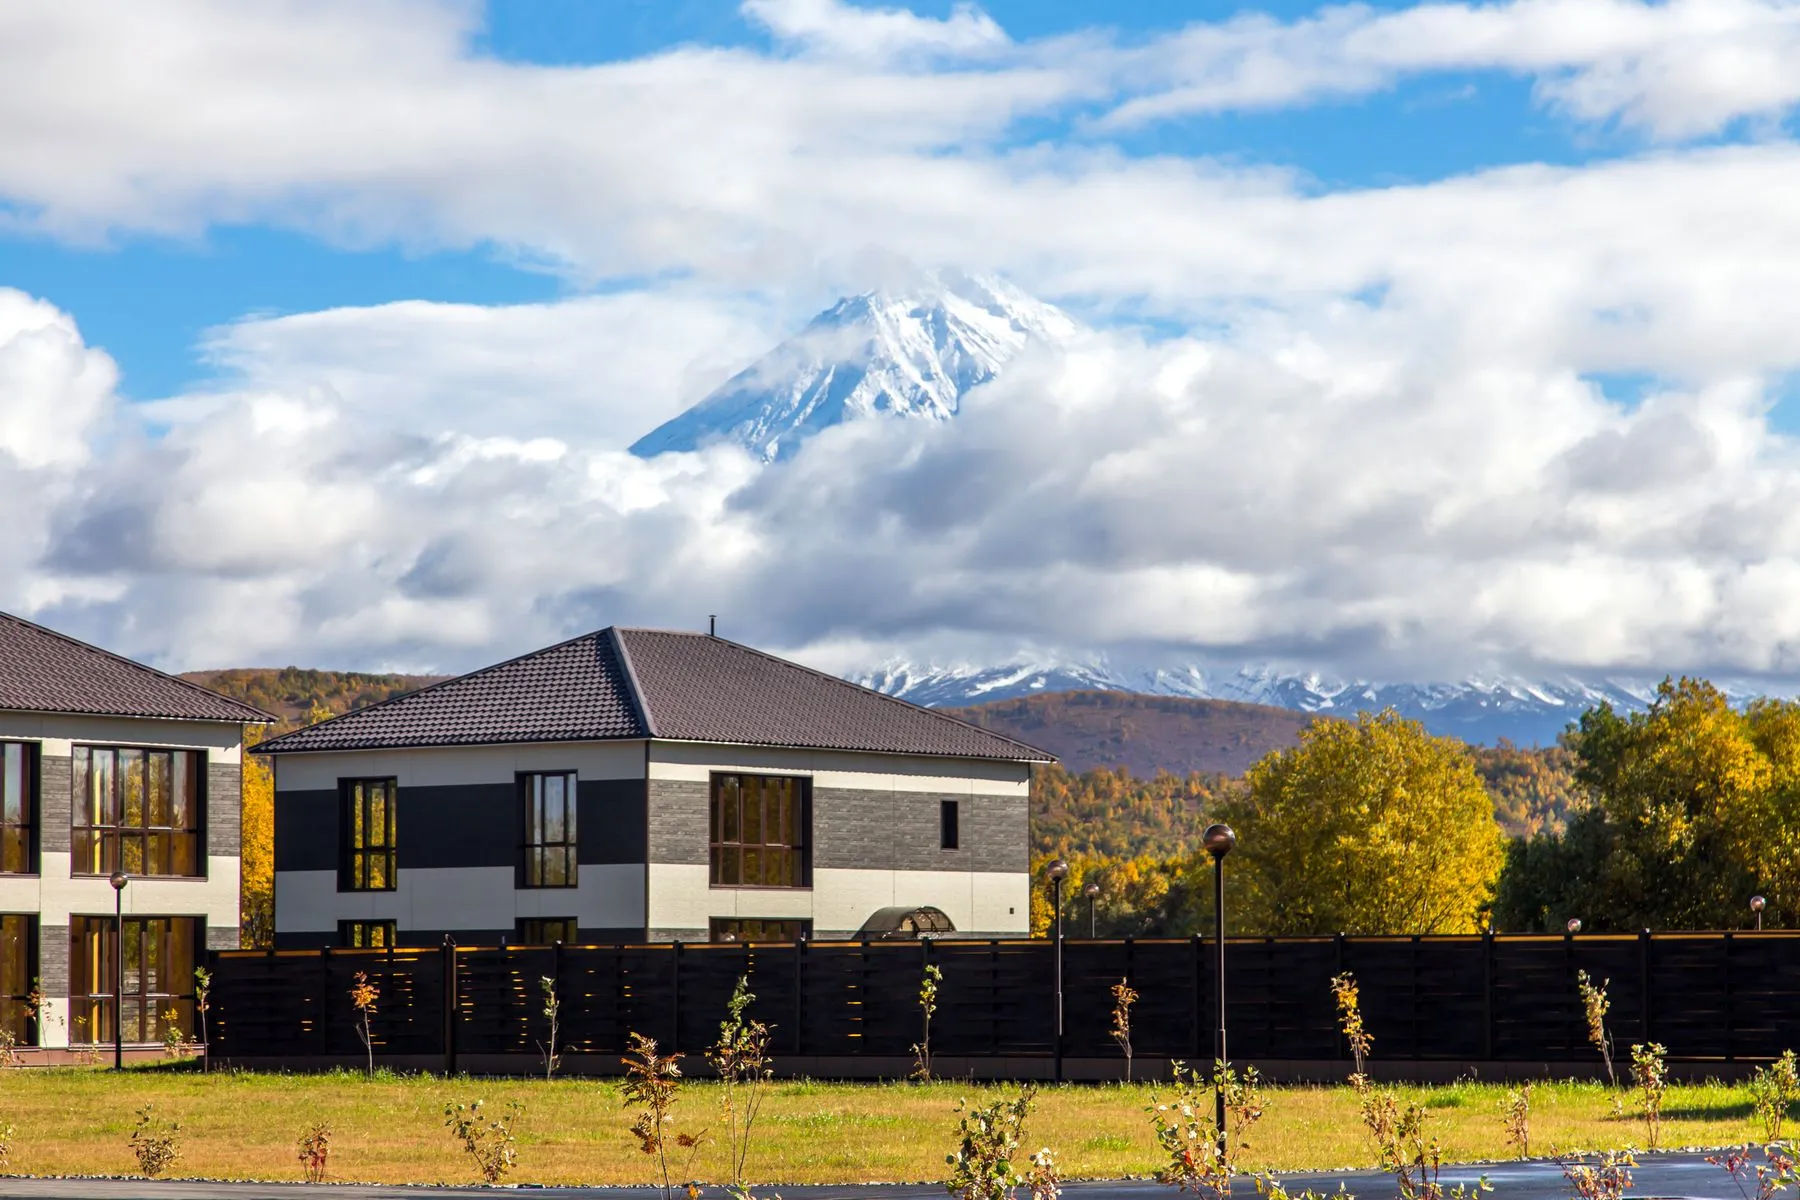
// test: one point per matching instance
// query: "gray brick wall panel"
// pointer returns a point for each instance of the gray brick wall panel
(224, 809)
(53, 960)
(55, 782)
(679, 816)
(899, 831)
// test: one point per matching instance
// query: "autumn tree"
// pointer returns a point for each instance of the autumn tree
(1692, 806)
(1366, 827)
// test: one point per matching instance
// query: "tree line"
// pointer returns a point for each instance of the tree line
(1668, 818)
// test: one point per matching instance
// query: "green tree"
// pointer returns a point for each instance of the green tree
(1371, 827)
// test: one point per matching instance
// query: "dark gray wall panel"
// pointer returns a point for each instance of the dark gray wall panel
(414, 938)
(459, 825)
(55, 781)
(611, 820)
(53, 960)
(306, 830)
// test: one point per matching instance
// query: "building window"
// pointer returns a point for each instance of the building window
(158, 988)
(548, 801)
(759, 831)
(136, 811)
(18, 970)
(18, 808)
(368, 864)
(756, 929)
(366, 935)
(545, 931)
(949, 825)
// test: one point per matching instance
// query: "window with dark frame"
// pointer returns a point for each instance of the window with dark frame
(759, 929)
(159, 976)
(136, 810)
(366, 935)
(761, 827)
(369, 835)
(548, 802)
(949, 825)
(546, 931)
(18, 967)
(18, 808)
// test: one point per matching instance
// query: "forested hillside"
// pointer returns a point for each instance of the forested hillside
(300, 695)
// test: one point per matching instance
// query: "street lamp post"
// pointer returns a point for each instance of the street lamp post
(118, 880)
(1092, 892)
(1574, 924)
(1219, 840)
(1057, 872)
(1757, 904)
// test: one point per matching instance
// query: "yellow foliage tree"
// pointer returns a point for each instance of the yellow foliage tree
(256, 883)
(1371, 827)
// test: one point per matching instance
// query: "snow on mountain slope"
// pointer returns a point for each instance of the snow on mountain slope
(910, 352)
(1481, 709)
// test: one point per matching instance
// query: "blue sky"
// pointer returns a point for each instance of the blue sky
(1418, 340)
(148, 299)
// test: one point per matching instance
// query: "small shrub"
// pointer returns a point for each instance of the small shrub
(1607, 1179)
(1515, 1113)
(928, 992)
(1042, 1182)
(363, 996)
(489, 1141)
(981, 1168)
(1404, 1151)
(203, 1005)
(1594, 1006)
(7, 1133)
(1188, 1136)
(314, 1149)
(9, 1055)
(741, 1057)
(1773, 1090)
(1123, 998)
(653, 1081)
(1754, 1180)
(1344, 990)
(553, 1011)
(155, 1142)
(1651, 1074)
(175, 1043)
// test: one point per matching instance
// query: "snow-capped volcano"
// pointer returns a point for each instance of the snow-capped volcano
(910, 352)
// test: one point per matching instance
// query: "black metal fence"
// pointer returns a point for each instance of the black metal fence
(850, 1008)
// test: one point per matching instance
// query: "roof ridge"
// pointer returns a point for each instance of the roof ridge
(261, 716)
(840, 681)
(638, 698)
(261, 747)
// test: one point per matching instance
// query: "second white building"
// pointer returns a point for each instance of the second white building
(634, 784)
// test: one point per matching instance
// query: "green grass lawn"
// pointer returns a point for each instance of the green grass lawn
(390, 1129)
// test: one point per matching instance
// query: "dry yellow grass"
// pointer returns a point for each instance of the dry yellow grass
(391, 1129)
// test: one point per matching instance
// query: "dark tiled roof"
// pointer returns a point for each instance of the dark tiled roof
(637, 683)
(705, 689)
(573, 692)
(44, 671)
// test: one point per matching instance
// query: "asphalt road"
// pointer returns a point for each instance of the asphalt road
(1657, 1175)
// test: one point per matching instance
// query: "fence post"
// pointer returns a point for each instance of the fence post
(1337, 1032)
(1644, 982)
(1199, 958)
(1487, 995)
(1730, 1000)
(675, 1007)
(326, 1007)
(447, 964)
(800, 994)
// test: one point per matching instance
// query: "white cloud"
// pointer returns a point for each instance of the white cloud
(601, 370)
(877, 34)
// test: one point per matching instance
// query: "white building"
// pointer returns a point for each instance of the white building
(109, 766)
(633, 784)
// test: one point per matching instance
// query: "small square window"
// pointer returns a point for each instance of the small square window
(546, 931)
(366, 935)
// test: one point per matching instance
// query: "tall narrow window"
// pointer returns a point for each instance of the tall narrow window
(949, 825)
(548, 800)
(18, 967)
(18, 808)
(760, 826)
(158, 988)
(369, 837)
(136, 811)
(366, 935)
